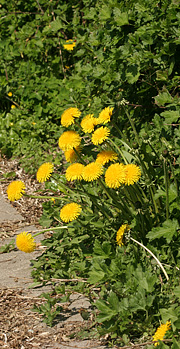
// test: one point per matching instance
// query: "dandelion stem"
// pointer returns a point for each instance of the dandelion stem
(133, 126)
(166, 182)
(152, 254)
(118, 149)
(49, 229)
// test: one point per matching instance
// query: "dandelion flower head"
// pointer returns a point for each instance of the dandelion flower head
(13, 106)
(71, 155)
(115, 175)
(105, 156)
(161, 331)
(15, 190)
(69, 140)
(10, 94)
(74, 172)
(100, 135)
(69, 45)
(105, 115)
(120, 233)
(67, 118)
(70, 212)
(133, 173)
(25, 242)
(44, 172)
(88, 123)
(92, 172)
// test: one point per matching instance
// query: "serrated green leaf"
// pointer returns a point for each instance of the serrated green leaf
(168, 229)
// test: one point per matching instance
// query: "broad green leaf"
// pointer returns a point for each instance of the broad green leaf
(167, 230)
(121, 18)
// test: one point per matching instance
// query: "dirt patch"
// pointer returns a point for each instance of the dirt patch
(23, 328)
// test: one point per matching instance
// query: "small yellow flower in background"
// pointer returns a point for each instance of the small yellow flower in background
(74, 172)
(88, 123)
(69, 140)
(105, 115)
(92, 172)
(33, 123)
(161, 331)
(44, 172)
(25, 242)
(70, 212)
(100, 135)
(15, 190)
(120, 233)
(10, 94)
(133, 173)
(70, 44)
(115, 175)
(13, 106)
(11, 124)
(105, 156)
(67, 117)
(71, 155)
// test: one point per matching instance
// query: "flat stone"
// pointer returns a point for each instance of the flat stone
(8, 212)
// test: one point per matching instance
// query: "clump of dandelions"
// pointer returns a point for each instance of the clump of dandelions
(25, 242)
(120, 234)
(67, 117)
(161, 331)
(69, 140)
(44, 172)
(15, 190)
(70, 212)
(69, 45)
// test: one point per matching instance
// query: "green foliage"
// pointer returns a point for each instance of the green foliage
(126, 56)
(123, 50)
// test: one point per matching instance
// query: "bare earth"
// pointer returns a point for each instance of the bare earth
(20, 327)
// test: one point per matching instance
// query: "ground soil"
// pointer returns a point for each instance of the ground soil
(20, 326)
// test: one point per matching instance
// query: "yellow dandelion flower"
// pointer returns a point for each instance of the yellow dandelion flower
(25, 242)
(33, 123)
(69, 45)
(15, 190)
(133, 173)
(92, 172)
(105, 115)
(74, 172)
(70, 212)
(115, 175)
(105, 156)
(71, 155)
(120, 233)
(161, 331)
(69, 140)
(67, 118)
(10, 94)
(100, 135)
(11, 124)
(44, 172)
(88, 123)
(13, 106)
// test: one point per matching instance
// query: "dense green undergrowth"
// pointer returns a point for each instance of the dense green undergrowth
(123, 49)
(126, 56)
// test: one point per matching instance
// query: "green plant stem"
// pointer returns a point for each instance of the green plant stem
(133, 126)
(45, 197)
(174, 176)
(94, 200)
(114, 146)
(166, 182)
(120, 132)
(152, 254)
(50, 229)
